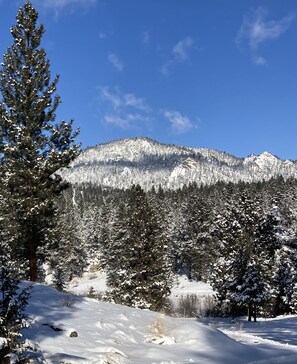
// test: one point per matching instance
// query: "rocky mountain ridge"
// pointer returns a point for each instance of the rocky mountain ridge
(121, 163)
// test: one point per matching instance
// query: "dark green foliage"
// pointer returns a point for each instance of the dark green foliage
(137, 272)
(283, 281)
(238, 276)
(253, 290)
(197, 248)
(67, 255)
(32, 146)
(12, 305)
(239, 237)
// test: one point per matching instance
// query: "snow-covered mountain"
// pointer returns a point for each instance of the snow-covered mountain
(143, 161)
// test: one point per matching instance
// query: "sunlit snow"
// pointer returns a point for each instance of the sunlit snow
(114, 334)
(146, 162)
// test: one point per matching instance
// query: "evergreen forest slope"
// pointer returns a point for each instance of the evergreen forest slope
(122, 163)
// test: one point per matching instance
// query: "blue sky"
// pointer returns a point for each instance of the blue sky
(220, 74)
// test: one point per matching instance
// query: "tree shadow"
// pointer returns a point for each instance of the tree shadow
(47, 310)
(283, 330)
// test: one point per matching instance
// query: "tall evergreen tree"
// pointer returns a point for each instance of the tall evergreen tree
(118, 256)
(253, 290)
(32, 146)
(197, 247)
(138, 274)
(237, 234)
(67, 256)
(283, 281)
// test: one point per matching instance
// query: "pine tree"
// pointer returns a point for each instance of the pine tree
(104, 235)
(253, 290)
(176, 235)
(283, 279)
(12, 306)
(67, 252)
(237, 236)
(138, 274)
(197, 247)
(88, 233)
(33, 148)
(118, 255)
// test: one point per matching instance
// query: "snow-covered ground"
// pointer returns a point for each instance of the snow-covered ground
(105, 333)
(93, 284)
(97, 281)
(183, 286)
(89, 281)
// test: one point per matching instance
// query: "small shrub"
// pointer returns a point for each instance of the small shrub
(168, 308)
(188, 305)
(99, 296)
(158, 327)
(209, 307)
(192, 305)
(67, 301)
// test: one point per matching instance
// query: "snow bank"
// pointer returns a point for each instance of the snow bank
(97, 280)
(183, 286)
(82, 286)
(115, 334)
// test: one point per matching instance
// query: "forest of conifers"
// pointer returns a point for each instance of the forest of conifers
(241, 238)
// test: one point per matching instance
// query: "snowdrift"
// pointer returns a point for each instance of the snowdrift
(73, 329)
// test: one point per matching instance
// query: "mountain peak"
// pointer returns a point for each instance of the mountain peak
(267, 155)
(144, 161)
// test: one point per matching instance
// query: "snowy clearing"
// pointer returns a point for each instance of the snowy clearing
(97, 281)
(72, 329)
(90, 280)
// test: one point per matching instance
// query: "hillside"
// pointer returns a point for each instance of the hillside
(104, 333)
(143, 161)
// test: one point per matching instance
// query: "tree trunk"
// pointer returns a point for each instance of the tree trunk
(249, 312)
(189, 270)
(32, 261)
(255, 313)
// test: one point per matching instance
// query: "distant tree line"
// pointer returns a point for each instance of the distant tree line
(241, 238)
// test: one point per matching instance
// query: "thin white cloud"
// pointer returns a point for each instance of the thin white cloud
(180, 54)
(114, 98)
(136, 102)
(119, 99)
(126, 109)
(179, 123)
(102, 35)
(182, 48)
(124, 121)
(256, 30)
(116, 62)
(165, 67)
(59, 4)
(259, 60)
(145, 37)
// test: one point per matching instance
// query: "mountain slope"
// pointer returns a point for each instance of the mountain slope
(121, 163)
